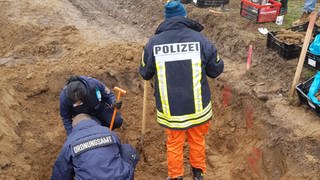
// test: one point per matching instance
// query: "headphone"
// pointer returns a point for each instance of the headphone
(74, 78)
(78, 78)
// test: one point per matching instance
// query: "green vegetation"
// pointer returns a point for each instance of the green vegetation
(294, 12)
(295, 8)
(308, 73)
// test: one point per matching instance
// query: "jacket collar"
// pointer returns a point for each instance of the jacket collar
(178, 22)
(84, 124)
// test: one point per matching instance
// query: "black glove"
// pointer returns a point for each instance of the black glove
(116, 104)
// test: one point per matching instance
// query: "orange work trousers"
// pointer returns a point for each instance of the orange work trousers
(196, 140)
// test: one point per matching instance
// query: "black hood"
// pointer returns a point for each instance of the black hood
(178, 22)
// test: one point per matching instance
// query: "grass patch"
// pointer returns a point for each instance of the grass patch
(294, 12)
(308, 73)
(295, 9)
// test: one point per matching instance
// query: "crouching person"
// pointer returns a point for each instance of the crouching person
(92, 151)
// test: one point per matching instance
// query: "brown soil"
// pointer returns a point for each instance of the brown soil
(256, 132)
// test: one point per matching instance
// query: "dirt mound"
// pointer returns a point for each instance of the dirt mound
(143, 15)
(35, 95)
(256, 133)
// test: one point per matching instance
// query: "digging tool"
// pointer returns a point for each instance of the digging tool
(215, 12)
(140, 143)
(144, 111)
(120, 92)
(305, 46)
(249, 57)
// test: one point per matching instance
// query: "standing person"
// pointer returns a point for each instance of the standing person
(83, 94)
(181, 57)
(309, 7)
(94, 152)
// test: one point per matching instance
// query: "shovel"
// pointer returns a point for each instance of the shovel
(303, 53)
(143, 125)
(144, 111)
(120, 92)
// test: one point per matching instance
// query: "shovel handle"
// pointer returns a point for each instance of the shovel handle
(303, 53)
(144, 108)
(120, 92)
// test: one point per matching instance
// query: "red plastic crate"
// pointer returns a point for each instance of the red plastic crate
(260, 13)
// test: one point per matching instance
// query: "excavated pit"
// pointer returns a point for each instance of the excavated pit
(255, 134)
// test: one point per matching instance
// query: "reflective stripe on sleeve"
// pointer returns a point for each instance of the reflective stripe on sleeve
(142, 59)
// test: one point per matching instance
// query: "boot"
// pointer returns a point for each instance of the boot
(197, 174)
(303, 19)
(177, 178)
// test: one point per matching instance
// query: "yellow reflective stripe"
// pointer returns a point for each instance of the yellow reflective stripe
(196, 76)
(162, 82)
(186, 124)
(218, 57)
(142, 59)
(185, 117)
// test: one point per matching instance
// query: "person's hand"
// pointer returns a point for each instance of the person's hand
(116, 104)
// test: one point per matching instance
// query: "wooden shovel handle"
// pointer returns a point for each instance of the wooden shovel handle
(303, 53)
(144, 108)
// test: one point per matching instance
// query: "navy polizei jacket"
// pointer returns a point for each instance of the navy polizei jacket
(93, 105)
(181, 58)
(92, 151)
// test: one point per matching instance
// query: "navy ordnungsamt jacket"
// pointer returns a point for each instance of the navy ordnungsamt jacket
(92, 151)
(181, 58)
(92, 105)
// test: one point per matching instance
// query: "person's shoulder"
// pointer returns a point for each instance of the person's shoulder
(91, 82)
(93, 132)
(204, 39)
(63, 96)
(85, 78)
(67, 144)
(63, 90)
(74, 137)
(90, 79)
(103, 131)
(153, 39)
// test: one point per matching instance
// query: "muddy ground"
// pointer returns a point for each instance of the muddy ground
(256, 133)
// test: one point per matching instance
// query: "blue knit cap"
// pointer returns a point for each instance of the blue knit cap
(174, 8)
